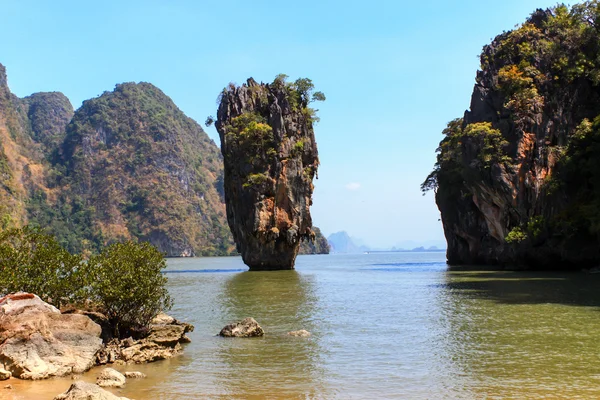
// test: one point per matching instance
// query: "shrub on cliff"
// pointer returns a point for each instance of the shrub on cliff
(127, 283)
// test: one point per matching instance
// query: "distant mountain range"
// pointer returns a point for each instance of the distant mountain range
(341, 242)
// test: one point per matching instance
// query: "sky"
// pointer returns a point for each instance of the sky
(394, 73)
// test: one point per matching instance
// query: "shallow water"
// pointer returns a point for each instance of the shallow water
(393, 325)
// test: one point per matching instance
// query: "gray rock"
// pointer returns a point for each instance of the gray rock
(163, 341)
(134, 375)
(87, 391)
(38, 342)
(163, 318)
(300, 333)
(247, 327)
(4, 374)
(110, 378)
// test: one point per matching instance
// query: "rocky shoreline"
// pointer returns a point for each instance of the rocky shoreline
(38, 341)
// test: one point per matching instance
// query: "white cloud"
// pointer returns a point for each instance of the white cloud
(353, 186)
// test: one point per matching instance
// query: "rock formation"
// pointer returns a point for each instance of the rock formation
(80, 390)
(517, 179)
(248, 327)
(164, 340)
(319, 245)
(37, 341)
(126, 165)
(110, 378)
(270, 157)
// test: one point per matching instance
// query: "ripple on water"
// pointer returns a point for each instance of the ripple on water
(424, 333)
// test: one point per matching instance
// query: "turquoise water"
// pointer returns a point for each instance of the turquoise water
(389, 325)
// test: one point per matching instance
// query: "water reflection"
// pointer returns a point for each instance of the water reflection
(277, 365)
(522, 335)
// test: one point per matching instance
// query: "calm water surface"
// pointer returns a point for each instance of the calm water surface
(389, 325)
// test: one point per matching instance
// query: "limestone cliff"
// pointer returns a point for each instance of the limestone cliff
(270, 156)
(319, 245)
(127, 165)
(140, 169)
(517, 179)
(30, 130)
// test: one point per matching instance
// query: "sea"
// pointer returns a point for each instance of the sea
(383, 326)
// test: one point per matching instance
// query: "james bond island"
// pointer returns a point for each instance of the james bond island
(517, 179)
(270, 156)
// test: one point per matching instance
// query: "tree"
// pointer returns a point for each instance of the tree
(126, 281)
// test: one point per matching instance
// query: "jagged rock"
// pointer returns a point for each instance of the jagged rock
(37, 341)
(300, 333)
(134, 375)
(163, 341)
(145, 351)
(4, 374)
(162, 319)
(110, 378)
(87, 391)
(248, 327)
(517, 178)
(270, 157)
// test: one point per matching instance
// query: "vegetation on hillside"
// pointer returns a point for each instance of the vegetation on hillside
(132, 166)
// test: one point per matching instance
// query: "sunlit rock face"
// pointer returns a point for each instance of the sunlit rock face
(517, 179)
(270, 155)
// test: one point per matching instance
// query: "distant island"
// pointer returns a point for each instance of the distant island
(342, 243)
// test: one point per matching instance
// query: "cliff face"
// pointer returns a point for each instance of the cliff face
(143, 170)
(319, 245)
(127, 165)
(270, 157)
(518, 178)
(30, 129)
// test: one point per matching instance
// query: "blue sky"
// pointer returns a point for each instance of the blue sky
(394, 72)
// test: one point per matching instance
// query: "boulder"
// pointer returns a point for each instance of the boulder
(37, 341)
(80, 390)
(248, 327)
(300, 333)
(4, 374)
(146, 351)
(163, 319)
(163, 341)
(110, 378)
(134, 375)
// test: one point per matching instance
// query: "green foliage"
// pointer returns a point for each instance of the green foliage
(448, 167)
(249, 136)
(299, 146)
(126, 280)
(579, 177)
(255, 180)
(535, 226)
(300, 94)
(491, 143)
(33, 261)
(516, 235)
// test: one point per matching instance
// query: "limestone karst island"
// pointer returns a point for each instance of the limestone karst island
(442, 240)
